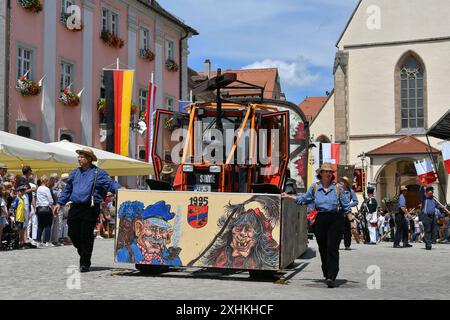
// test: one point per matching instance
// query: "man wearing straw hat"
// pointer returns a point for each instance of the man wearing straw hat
(166, 174)
(329, 200)
(86, 187)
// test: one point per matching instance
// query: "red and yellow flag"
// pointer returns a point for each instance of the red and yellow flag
(118, 95)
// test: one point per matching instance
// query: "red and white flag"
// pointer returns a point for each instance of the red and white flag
(151, 98)
(324, 152)
(425, 171)
(330, 154)
(446, 155)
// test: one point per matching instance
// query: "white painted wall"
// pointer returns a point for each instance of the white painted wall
(400, 20)
(324, 122)
(372, 85)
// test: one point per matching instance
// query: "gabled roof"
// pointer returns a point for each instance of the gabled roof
(311, 107)
(266, 77)
(404, 145)
(348, 23)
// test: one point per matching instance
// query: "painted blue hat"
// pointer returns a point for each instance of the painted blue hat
(159, 210)
(130, 209)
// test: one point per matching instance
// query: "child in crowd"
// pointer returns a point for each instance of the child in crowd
(20, 214)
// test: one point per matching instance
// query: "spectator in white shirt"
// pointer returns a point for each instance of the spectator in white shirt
(44, 210)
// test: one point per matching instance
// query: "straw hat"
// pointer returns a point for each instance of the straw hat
(167, 169)
(346, 179)
(403, 188)
(326, 166)
(88, 152)
(3, 166)
(64, 176)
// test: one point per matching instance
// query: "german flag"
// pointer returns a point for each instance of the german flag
(118, 94)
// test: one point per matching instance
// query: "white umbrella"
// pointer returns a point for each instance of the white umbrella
(17, 151)
(113, 164)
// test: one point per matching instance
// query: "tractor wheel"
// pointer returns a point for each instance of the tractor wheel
(151, 268)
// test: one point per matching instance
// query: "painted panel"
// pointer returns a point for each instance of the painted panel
(221, 230)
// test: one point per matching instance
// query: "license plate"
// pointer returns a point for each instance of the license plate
(202, 188)
(206, 178)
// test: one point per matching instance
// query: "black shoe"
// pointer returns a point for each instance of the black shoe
(428, 248)
(396, 246)
(330, 283)
(407, 245)
(84, 269)
(347, 248)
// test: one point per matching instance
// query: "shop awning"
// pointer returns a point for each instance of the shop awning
(441, 129)
(113, 164)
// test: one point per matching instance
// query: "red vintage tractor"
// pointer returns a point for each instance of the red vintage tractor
(241, 148)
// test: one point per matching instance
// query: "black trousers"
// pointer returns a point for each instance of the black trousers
(430, 228)
(401, 230)
(81, 221)
(328, 229)
(347, 233)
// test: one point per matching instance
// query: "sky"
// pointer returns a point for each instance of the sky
(297, 36)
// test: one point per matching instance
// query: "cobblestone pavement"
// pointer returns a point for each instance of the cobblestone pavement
(410, 273)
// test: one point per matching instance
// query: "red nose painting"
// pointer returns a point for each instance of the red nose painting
(197, 216)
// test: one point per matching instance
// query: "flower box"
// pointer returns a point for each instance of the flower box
(147, 54)
(171, 66)
(63, 20)
(69, 98)
(31, 5)
(112, 40)
(27, 87)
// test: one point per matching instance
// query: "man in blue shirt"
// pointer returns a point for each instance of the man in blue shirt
(85, 190)
(430, 211)
(353, 200)
(401, 229)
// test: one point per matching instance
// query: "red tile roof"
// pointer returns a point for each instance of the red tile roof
(266, 77)
(311, 107)
(404, 145)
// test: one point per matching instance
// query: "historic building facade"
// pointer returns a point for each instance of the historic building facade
(41, 45)
(390, 82)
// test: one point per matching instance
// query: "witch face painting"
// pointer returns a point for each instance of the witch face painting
(247, 243)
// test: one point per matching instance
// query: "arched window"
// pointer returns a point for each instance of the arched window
(411, 77)
(411, 93)
(66, 136)
(323, 139)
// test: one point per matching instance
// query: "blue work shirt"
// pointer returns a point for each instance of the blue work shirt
(431, 207)
(79, 186)
(401, 202)
(352, 198)
(324, 201)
